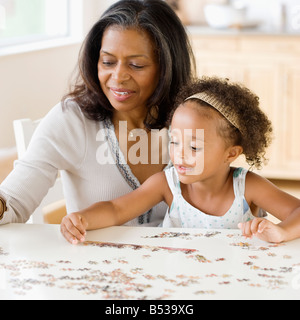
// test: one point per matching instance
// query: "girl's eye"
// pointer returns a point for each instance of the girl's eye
(196, 149)
(174, 143)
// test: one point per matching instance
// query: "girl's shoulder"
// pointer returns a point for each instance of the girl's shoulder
(257, 185)
(158, 179)
(239, 172)
(158, 184)
(250, 178)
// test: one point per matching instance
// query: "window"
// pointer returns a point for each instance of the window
(28, 21)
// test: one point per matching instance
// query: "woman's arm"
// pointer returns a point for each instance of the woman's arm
(283, 206)
(54, 144)
(117, 211)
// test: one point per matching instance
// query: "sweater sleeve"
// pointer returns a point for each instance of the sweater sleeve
(57, 144)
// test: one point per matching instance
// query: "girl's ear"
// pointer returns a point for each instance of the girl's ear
(233, 153)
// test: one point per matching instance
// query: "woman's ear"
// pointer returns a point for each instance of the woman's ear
(233, 153)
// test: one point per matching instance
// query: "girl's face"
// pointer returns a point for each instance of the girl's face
(196, 149)
(128, 69)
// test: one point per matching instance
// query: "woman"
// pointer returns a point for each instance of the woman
(131, 66)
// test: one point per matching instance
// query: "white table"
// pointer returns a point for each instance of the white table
(187, 264)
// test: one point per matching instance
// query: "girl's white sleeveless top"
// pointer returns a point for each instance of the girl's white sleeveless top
(183, 215)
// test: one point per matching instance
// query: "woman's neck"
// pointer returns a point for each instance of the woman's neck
(134, 119)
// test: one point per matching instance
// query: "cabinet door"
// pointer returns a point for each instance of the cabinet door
(219, 66)
(273, 73)
(262, 77)
(290, 115)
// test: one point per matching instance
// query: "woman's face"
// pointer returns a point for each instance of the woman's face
(128, 69)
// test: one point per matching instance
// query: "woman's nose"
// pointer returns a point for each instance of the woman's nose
(120, 73)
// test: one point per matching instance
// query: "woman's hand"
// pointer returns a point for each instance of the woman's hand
(73, 228)
(263, 229)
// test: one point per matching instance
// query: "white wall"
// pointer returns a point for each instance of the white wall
(32, 83)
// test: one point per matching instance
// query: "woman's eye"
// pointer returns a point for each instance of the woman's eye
(107, 63)
(135, 66)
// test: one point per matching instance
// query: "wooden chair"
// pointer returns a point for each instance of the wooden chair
(54, 212)
(7, 158)
(52, 209)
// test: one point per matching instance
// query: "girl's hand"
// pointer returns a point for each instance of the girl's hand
(73, 228)
(263, 229)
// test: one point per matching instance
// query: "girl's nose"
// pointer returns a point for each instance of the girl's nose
(179, 155)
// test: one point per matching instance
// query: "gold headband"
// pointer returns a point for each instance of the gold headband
(219, 107)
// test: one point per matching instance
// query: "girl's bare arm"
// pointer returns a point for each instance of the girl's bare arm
(117, 211)
(280, 204)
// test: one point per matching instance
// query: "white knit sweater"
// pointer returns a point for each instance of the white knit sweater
(67, 141)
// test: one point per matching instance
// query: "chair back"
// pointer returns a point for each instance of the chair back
(24, 129)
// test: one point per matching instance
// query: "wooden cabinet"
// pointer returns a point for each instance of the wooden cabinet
(270, 66)
(291, 119)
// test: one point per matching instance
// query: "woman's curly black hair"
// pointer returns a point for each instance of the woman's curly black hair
(244, 104)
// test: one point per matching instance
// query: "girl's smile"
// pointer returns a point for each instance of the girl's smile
(184, 170)
(196, 149)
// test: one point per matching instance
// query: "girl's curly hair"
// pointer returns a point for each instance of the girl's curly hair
(244, 104)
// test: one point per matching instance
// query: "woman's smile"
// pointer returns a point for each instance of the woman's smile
(128, 70)
(122, 94)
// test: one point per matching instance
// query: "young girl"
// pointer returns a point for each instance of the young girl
(201, 189)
